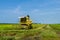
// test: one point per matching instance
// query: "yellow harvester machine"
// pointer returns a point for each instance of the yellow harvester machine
(25, 22)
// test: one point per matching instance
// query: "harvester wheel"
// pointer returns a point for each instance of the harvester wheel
(30, 26)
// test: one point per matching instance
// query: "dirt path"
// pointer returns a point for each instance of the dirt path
(43, 27)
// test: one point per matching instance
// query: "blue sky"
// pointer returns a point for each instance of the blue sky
(40, 11)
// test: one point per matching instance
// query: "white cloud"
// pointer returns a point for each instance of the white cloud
(17, 9)
(45, 11)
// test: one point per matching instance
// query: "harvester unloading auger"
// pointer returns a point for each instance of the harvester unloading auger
(25, 22)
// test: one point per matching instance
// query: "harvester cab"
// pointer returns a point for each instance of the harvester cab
(25, 22)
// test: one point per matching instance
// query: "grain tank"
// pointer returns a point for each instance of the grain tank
(26, 22)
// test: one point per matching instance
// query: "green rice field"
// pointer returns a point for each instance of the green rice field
(38, 32)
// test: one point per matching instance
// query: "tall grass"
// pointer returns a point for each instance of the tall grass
(55, 26)
(13, 32)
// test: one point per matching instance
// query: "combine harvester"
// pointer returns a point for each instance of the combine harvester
(25, 22)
